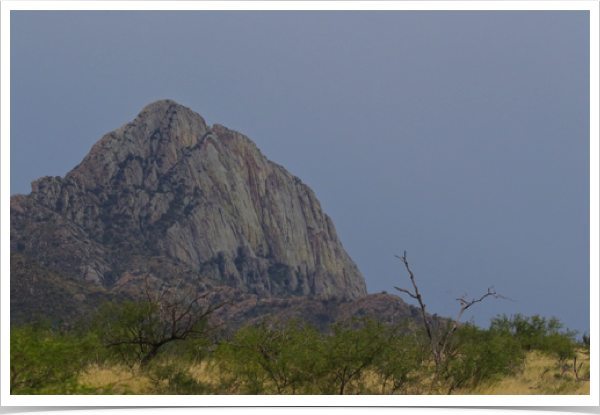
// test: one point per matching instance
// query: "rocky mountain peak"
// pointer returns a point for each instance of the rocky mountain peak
(163, 132)
(167, 197)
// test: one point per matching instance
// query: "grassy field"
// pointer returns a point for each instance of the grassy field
(542, 376)
(515, 356)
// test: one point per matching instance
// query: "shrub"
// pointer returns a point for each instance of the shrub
(45, 361)
(270, 357)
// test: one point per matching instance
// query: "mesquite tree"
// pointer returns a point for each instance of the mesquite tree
(136, 331)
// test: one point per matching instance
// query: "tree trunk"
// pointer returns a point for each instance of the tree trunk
(151, 354)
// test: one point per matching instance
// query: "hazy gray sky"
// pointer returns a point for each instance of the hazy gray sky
(460, 137)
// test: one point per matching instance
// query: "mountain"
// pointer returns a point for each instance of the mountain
(323, 310)
(168, 198)
(38, 291)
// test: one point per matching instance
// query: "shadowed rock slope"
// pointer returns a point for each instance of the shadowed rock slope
(37, 291)
(321, 311)
(169, 198)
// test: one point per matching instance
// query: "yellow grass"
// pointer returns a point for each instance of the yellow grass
(542, 376)
(205, 372)
(116, 379)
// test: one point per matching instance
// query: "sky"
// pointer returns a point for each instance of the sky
(461, 137)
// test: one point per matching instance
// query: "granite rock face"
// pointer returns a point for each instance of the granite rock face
(169, 197)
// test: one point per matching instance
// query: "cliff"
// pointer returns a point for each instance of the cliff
(167, 197)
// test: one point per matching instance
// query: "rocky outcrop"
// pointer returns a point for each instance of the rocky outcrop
(322, 311)
(169, 197)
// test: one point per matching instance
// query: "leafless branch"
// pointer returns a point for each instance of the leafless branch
(438, 346)
(576, 370)
(417, 297)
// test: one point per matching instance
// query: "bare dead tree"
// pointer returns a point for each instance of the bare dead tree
(438, 344)
(139, 330)
(577, 369)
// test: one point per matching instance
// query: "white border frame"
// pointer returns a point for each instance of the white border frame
(7, 6)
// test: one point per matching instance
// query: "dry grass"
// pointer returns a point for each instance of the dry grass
(205, 372)
(542, 376)
(118, 380)
(121, 380)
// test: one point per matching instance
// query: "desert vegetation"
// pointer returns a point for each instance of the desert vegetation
(515, 355)
(172, 341)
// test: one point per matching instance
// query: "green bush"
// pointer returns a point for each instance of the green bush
(476, 356)
(46, 361)
(296, 358)
(536, 333)
(269, 358)
(353, 347)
